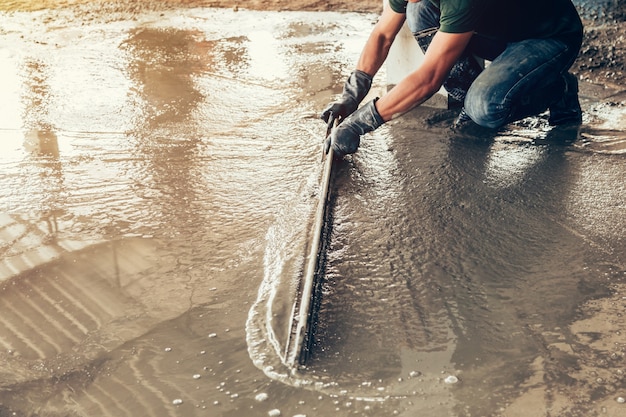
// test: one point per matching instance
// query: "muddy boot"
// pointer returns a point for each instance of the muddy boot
(465, 128)
(564, 134)
(461, 120)
(567, 109)
(461, 77)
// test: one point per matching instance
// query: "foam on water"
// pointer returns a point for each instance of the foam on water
(282, 263)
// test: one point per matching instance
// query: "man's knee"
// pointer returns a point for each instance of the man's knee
(484, 111)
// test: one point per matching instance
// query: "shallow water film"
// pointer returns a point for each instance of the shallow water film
(160, 170)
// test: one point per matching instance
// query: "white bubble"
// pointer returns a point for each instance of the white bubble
(414, 374)
(621, 400)
(300, 415)
(196, 376)
(177, 401)
(168, 349)
(451, 379)
(274, 413)
(261, 396)
(211, 335)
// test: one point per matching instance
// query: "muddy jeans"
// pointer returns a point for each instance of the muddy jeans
(523, 78)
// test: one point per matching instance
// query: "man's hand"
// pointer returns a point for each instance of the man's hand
(345, 138)
(354, 90)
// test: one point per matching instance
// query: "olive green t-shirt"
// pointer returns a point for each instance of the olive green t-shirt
(511, 20)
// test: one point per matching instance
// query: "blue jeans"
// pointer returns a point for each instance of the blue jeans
(523, 79)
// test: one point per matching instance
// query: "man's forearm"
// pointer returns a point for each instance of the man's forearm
(427, 79)
(379, 42)
(410, 92)
(374, 54)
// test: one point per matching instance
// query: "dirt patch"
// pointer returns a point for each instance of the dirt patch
(603, 55)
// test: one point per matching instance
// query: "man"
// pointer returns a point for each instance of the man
(530, 44)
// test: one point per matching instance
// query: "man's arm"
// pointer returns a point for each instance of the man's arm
(443, 52)
(372, 58)
(379, 42)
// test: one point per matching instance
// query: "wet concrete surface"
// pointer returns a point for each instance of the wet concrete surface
(158, 173)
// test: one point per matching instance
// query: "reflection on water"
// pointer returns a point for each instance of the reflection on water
(159, 173)
(59, 307)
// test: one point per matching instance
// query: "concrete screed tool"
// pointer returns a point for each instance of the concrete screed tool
(304, 313)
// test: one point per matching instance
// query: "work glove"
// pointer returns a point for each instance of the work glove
(355, 89)
(345, 138)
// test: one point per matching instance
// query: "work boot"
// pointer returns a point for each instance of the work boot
(465, 128)
(461, 120)
(564, 134)
(461, 77)
(567, 109)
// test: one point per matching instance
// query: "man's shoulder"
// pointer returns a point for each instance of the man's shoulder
(398, 6)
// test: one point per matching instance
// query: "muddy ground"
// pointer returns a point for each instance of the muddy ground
(602, 59)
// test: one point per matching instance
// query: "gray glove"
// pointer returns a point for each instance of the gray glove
(346, 137)
(354, 90)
